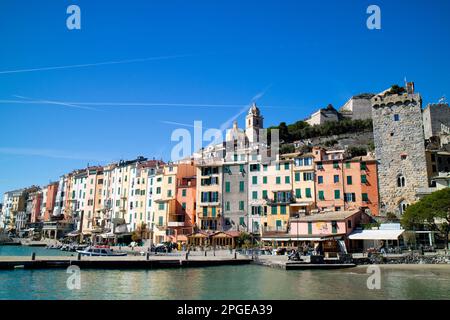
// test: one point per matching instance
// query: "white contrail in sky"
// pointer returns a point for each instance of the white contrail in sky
(84, 65)
(51, 153)
(65, 104)
(141, 104)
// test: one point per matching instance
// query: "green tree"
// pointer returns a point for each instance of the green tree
(244, 240)
(432, 210)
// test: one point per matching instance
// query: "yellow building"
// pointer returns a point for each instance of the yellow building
(209, 194)
(277, 190)
(303, 184)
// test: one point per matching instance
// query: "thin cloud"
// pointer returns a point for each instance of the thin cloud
(141, 104)
(51, 153)
(96, 64)
(182, 124)
(64, 104)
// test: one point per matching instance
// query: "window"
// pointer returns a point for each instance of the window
(273, 210)
(349, 180)
(205, 211)
(241, 221)
(158, 190)
(161, 206)
(254, 180)
(169, 193)
(183, 192)
(319, 179)
(254, 167)
(227, 186)
(321, 195)
(287, 179)
(264, 180)
(308, 176)
(349, 224)
(213, 211)
(336, 178)
(227, 206)
(319, 166)
(349, 197)
(337, 194)
(309, 227)
(278, 180)
(241, 205)
(298, 193)
(241, 168)
(335, 165)
(365, 197)
(283, 209)
(255, 195)
(286, 166)
(297, 176)
(264, 167)
(347, 165)
(363, 166)
(183, 205)
(363, 178)
(334, 226)
(170, 179)
(396, 117)
(241, 186)
(278, 224)
(400, 181)
(308, 192)
(277, 167)
(264, 194)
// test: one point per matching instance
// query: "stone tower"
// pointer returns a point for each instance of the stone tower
(436, 122)
(253, 122)
(399, 147)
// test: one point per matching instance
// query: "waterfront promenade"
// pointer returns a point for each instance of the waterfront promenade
(151, 261)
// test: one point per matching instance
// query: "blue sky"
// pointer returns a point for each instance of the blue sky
(302, 55)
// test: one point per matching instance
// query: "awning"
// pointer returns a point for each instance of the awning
(107, 235)
(301, 239)
(376, 234)
(301, 204)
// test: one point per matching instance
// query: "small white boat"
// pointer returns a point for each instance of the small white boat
(100, 252)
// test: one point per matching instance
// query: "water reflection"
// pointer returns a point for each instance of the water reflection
(230, 282)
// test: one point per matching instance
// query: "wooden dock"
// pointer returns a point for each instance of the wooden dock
(281, 262)
(127, 262)
(309, 266)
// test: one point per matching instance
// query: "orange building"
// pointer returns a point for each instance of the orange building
(52, 190)
(181, 217)
(36, 198)
(344, 184)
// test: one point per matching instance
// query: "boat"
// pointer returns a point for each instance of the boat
(73, 247)
(94, 251)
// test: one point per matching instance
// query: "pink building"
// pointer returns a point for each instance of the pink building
(343, 183)
(336, 225)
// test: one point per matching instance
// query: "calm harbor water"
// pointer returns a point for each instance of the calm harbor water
(229, 282)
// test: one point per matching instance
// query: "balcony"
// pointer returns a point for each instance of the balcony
(210, 204)
(176, 224)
